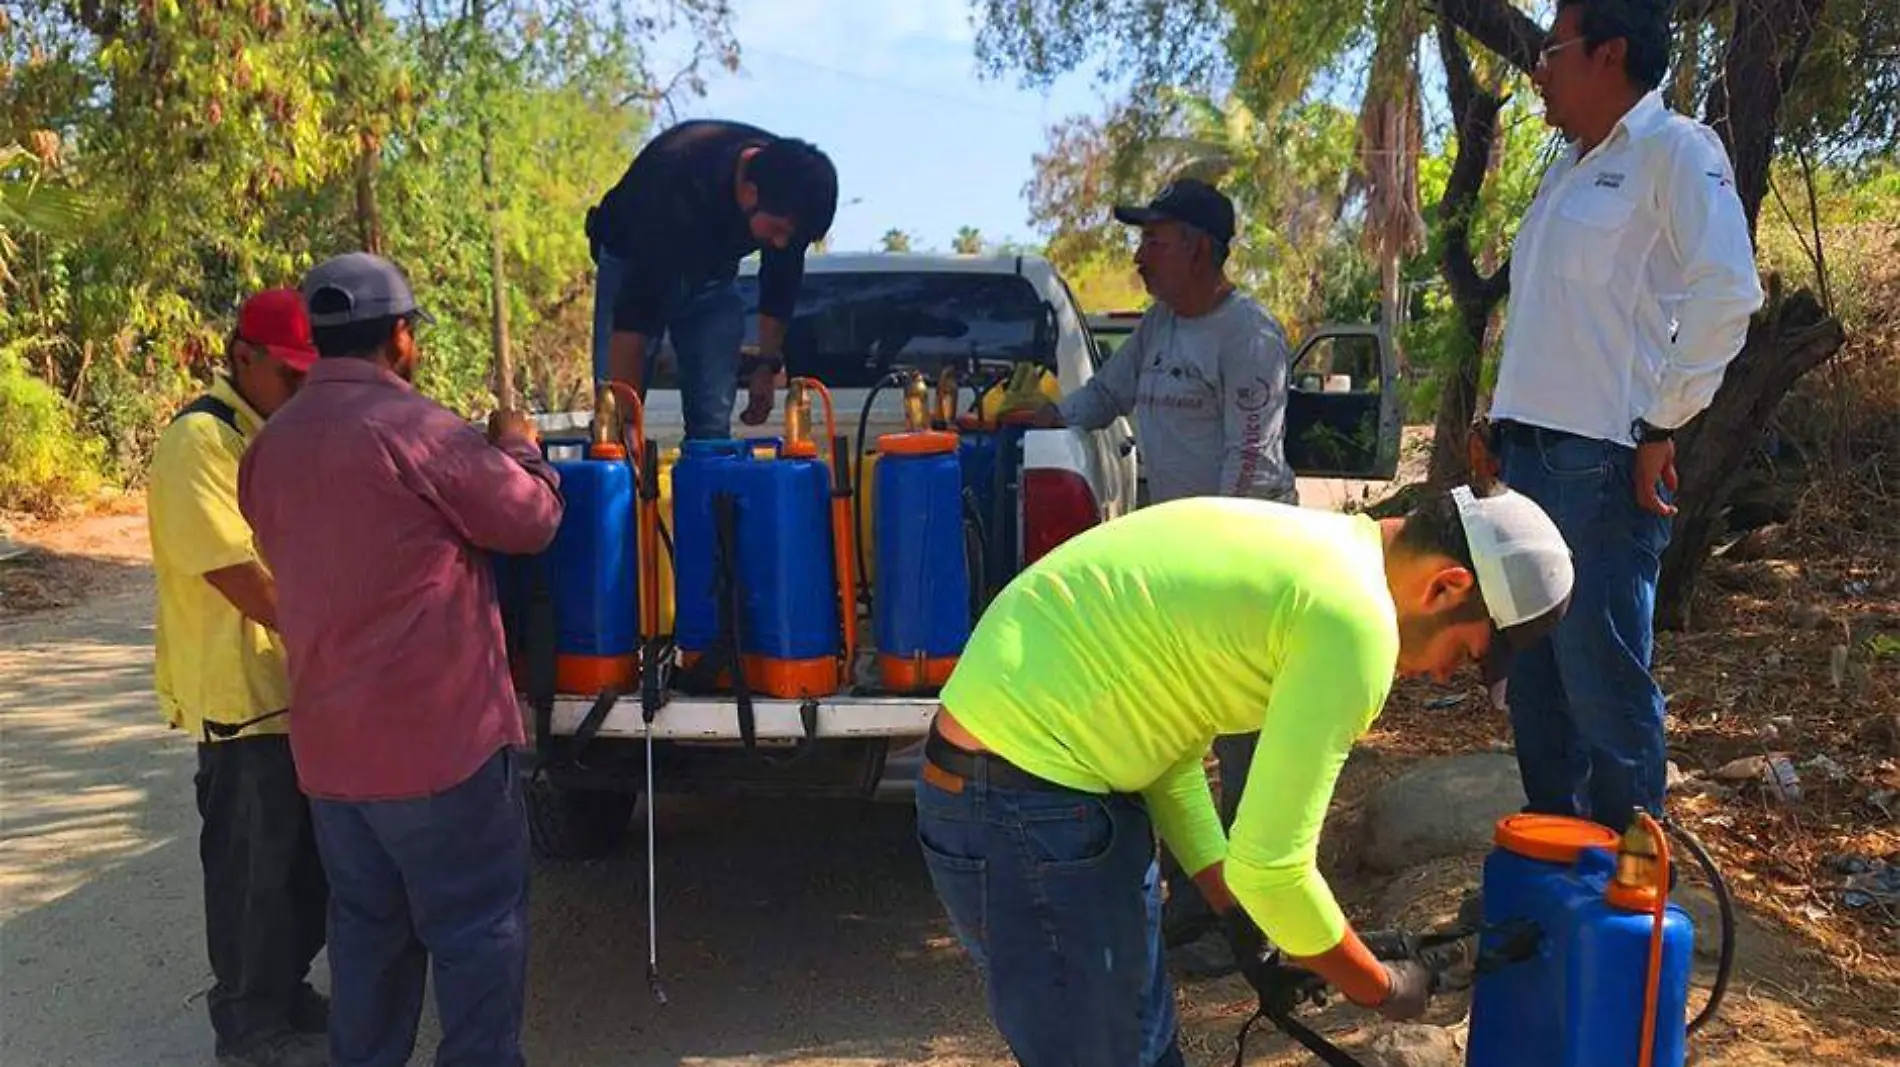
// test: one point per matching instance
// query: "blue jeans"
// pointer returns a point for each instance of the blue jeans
(1585, 711)
(706, 322)
(1057, 897)
(442, 877)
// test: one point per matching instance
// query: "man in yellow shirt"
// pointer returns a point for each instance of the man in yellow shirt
(221, 679)
(1074, 725)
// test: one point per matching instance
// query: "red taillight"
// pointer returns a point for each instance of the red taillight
(1057, 505)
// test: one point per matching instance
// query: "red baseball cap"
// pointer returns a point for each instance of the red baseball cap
(276, 321)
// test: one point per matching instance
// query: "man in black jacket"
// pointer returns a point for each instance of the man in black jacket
(667, 241)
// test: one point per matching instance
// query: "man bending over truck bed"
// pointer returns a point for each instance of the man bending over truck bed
(1075, 723)
(667, 241)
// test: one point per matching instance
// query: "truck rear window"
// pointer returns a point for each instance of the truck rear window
(850, 328)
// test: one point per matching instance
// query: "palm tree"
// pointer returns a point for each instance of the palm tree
(969, 241)
(896, 241)
(29, 205)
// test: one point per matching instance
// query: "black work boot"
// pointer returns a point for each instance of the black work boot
(1205, 957)
(1185, 918)
(284, 1049)
(309, 1011)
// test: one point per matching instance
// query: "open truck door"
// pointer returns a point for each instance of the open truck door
(1342, 408)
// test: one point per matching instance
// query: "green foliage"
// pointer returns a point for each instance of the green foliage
(1246, 89)
(1845, 106)
(194, 153)
(1854, 209)
(1104, 283)
(1433, 337)
(894, 241)
(1296, 248)
(44, 459)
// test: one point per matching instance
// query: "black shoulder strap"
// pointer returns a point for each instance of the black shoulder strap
(212, 406)
(540, 653)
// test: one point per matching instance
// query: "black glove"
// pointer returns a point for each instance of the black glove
(1411, 990)
(1280, 985)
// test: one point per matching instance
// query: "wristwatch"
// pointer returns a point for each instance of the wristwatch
(1645, 434)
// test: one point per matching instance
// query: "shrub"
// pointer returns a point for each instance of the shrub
(46, 464)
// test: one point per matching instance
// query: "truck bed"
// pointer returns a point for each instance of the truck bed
(716, 718)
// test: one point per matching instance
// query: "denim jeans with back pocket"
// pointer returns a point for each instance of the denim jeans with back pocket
(1586, 714)
(1056, 896)
(706, 322)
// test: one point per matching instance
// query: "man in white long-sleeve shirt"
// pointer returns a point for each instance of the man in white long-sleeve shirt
(1632, 283)
(1205, 377)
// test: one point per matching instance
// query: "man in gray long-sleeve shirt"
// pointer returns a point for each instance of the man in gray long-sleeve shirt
(1205, 375)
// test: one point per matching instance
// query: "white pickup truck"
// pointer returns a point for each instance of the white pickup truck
(859, 317)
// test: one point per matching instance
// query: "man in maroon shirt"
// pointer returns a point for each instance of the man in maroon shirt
(376, 508)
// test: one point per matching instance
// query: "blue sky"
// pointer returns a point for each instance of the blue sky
(890, 89)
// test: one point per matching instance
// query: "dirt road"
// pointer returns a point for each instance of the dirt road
(791, 933)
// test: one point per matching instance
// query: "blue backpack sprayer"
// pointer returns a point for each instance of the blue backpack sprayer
(1579, 960)
(766, 547)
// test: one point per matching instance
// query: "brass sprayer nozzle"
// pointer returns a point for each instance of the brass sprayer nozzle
(916, 399)
(947, 396)
(797, 413)
(606, 430)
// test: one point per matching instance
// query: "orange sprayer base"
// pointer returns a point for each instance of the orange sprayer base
(787, 679)
(904, 674)
(588, 675)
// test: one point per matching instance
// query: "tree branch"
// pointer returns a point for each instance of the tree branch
(102, 21)
(1698, 10)
(1498, 26)
(1474, 112)
(1765, 48)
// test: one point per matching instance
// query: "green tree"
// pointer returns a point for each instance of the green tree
(223, 148)
(968, 242)
(895, 240)
(1288, 175)
(1269, 52)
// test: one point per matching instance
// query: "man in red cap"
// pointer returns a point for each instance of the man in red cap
(221, 679)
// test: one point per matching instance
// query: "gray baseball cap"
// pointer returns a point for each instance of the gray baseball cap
(358, 287)
(1524, 570)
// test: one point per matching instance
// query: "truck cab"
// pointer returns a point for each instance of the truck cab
(859, 318)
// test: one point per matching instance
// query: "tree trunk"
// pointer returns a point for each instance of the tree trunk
(1475, 114)
(1787, 341)
(498, 278)
(1790, 338)
(1390, 139)
(1391, 304)
(1765, 48)
(1793, 336)
(369, 221)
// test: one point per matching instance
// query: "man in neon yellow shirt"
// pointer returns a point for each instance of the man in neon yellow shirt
(1075, 723)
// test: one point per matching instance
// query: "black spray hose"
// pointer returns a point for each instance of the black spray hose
(1725, 904)
(975, 538)
(857, 499)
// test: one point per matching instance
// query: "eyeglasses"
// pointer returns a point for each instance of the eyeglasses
(1544, 53)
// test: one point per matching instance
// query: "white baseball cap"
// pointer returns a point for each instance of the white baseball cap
(1523, 567)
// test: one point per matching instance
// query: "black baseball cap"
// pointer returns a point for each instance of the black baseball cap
(1188, 200)
(358, 287)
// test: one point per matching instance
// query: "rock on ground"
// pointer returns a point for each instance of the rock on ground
(1443, 807)
(1412, 1045)
(1426, 898)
